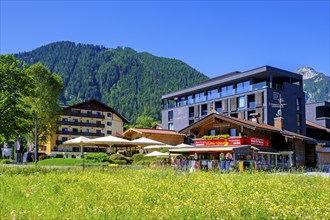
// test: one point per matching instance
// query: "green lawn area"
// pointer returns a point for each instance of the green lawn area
(60, 162)
(127, 193)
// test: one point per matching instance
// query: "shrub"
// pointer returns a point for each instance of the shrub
(120, 159)
(116, 157)
(6, 161)
(137, 157)
(99, 157)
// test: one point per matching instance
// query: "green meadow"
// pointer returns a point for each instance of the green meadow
(127, 193)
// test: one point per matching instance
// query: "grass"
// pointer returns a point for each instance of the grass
(60, 162)
(123, 193)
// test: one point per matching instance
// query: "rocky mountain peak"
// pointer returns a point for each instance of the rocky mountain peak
(307, 72)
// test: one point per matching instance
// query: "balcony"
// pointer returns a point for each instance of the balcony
(81, 124)
(214, 96)
(84, 115)
(80, 133)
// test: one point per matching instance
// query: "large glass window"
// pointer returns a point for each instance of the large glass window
(204, 109)
(227, 90)
(182, 101)
(190, 99)
(243, 87)
(212, 94)
(170, 116)
(200, 97)
(218, 106)
(241, 102)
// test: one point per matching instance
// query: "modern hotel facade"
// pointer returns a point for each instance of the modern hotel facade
(91, 119)
(252, 95)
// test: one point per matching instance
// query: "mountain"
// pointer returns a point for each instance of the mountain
(130, 82)
(316, 85)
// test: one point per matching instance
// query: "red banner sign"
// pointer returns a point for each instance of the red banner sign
(233, 142)
(258, 141)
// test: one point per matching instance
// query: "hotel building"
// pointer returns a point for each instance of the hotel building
(91, 119)
(251, 95)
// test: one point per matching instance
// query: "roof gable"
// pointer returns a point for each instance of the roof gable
(95, 105)
(247, 124)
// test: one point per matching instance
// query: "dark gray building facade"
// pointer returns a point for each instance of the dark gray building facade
(249, 95)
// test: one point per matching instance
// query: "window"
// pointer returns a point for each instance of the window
(74, 129)
(87, 130)
(64, 138)
(98, 122)
(97, 113)
(212, 132)
(298, 104)
(218, 107)
(64, 119)
(204, 109)
(200, 97)
(109, 123)
(191, 112)
(170, 116)
(74, 120)
(251, 101)
(243, 87)
(182, 101)
(227, 90)
(89, 112)
(299, 131)
(109, 132)
(241, 102)
(170, 126)
(298, 120)
(109, 115)
(212, 94)
(233, 132)
(190, 99)
(65, 129)
(98, 131)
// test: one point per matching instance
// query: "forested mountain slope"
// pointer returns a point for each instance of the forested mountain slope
(128, 81)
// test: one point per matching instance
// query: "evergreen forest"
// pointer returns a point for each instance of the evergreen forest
(129, 81)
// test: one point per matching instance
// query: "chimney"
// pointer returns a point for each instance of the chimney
(279, 123)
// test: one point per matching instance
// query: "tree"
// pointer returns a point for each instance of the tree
(26, 94)
(15, 85)
(144, 122)
(45, 99)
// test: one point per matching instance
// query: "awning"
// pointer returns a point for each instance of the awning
(208, 149)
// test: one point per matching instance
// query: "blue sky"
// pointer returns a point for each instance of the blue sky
(214, 37)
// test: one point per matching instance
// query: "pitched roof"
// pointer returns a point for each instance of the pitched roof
(314, 125)
(249, 124)
(153, 131)
(98, 103)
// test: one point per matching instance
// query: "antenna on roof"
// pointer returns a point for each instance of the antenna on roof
(279, 105)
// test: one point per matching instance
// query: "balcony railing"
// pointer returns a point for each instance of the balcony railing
(86, 115)
(80, 133)
(261, 85)
(82, 124)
